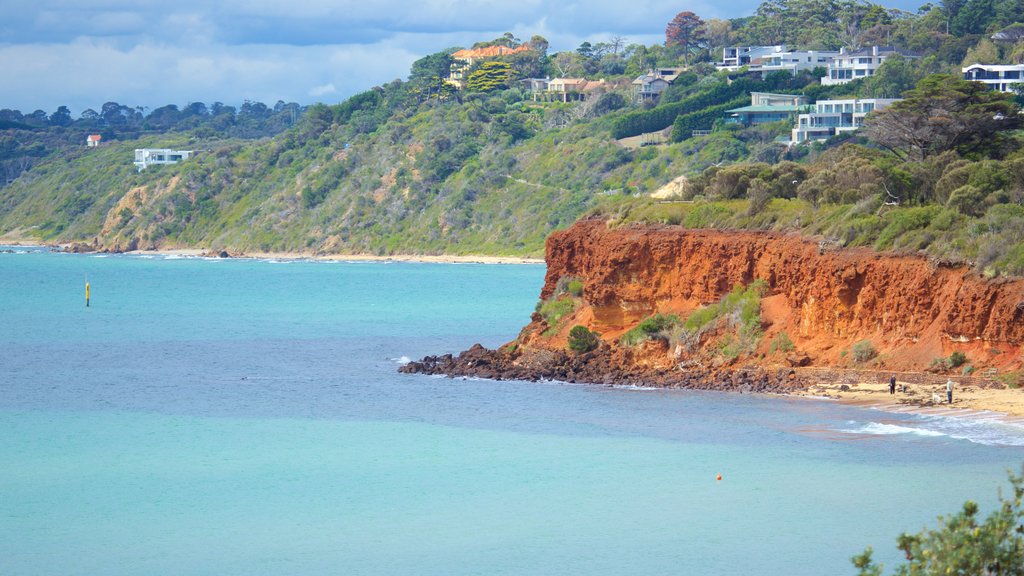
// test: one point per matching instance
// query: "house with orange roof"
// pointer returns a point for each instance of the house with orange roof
(465, 59)
(93, 140)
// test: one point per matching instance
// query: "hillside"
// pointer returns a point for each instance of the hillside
(418, 167)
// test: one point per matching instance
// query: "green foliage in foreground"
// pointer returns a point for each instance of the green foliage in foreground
(963, 543)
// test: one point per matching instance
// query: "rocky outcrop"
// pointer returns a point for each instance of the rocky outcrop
(825, 299)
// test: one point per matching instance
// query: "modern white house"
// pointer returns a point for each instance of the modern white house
(93, 140)
(831, 117)
(797, 60)
(736, 57)
(850, 66)
(766, 107)
(1001, 77)
(145, 157)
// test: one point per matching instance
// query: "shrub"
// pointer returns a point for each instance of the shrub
(553, 310)
(570, 285)
(781, 343)
(957, 359)
(648, 328)
(582, 339)
(863, 351)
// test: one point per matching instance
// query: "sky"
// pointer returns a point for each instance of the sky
(82, 53)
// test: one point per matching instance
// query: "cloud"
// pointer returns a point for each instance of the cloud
(82, 54)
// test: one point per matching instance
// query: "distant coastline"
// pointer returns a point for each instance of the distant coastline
(196, 253)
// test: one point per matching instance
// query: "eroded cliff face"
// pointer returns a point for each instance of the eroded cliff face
(912, 310)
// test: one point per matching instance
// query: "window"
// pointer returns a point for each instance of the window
(860, 72)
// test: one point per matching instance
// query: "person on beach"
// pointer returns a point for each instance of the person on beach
(949, 391)
(892, 384)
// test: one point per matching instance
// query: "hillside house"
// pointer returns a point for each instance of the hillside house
(736, 57)
(831, 117)
(145, 157)
(1000, 77)
(850, 66)
(464, 60)
(653, 83)
(93, 140)
(766, 107)
(760, 60)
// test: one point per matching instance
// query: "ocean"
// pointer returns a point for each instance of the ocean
(209, 416)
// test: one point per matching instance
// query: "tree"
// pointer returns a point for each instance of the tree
(686, 31)
(963, 545)
(62, 117)
(944, 112)
(436, 65)
(493, 75)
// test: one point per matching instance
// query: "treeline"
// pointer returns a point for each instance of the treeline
(25, 139)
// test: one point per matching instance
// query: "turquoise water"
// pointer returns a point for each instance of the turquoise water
(246, 417)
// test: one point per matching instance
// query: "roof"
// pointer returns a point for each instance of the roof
(488, 52)
(94, 137)
(756, 109)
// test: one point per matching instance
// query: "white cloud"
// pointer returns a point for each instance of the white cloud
(320, 91)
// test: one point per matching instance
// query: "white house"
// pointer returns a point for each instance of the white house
(736, 57)
(797, 60)
(1001, 77)
(831, 117)
(93, 140)
(145, 157)
(850, 66)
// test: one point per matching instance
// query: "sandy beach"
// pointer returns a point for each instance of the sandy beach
(966, 399)
(196, 252)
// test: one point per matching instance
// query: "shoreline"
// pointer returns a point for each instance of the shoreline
(968, 400)
(200, 253)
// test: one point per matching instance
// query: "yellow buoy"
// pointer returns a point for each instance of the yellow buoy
(86, 294)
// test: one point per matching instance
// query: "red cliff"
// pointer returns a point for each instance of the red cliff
(911, 309)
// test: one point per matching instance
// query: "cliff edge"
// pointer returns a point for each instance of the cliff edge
(815, 306)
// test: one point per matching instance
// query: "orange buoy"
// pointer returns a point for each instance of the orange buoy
(719, 477)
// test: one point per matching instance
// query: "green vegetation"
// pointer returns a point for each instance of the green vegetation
(740, 309)
(656, 326)
(863, 351)
(553, 309)
(415, 166)
(964, 543)
(955, 360)
(582, 339)
(570, 285)
(781, 343)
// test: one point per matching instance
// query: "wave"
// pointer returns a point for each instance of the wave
(403, 360)
(987, 428)
(880, 429)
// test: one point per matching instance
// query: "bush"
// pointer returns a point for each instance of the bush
(648, 328)
(553, 310)
(581, 339)
(570, 285)
(963, 543)
(781, 343)
(957, 359)
(863, 351)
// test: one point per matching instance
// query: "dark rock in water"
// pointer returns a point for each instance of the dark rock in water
(601, 366)
(223, 254)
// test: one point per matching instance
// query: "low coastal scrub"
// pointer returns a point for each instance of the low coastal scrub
(955, 360)
(582, 339)
(656, 326)
(740, 309)
(863, 351)
(781, 343)
(554, 309)
(570, 285)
